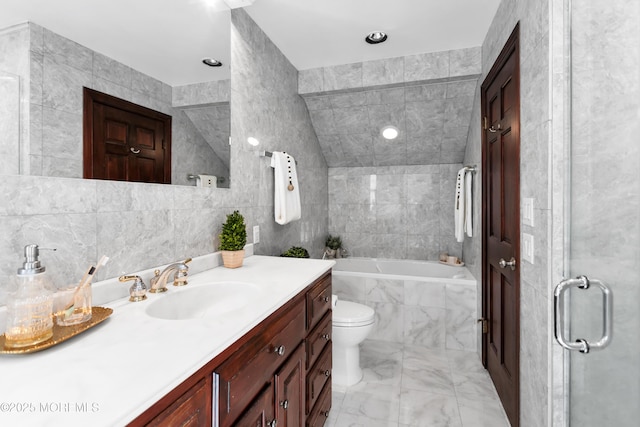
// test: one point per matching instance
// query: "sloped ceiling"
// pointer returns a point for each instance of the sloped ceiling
(212, 122)
(433, 120)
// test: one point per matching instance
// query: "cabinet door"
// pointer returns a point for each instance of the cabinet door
(290, 390)
(260, 412)
(192, 409)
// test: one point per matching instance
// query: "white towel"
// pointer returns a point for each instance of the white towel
(468, 204)
(459, 208)
(286, 201)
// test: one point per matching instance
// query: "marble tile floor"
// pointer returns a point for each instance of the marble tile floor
(406, 385)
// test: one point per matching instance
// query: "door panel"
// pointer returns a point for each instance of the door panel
(604, 204)
(501, 224)
(124, 141)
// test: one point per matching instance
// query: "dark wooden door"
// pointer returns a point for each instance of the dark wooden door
(124, 141)
(290, 390)
(501, 224)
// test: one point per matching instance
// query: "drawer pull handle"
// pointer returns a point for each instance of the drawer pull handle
(284, 404)
(327, 373)
(326, 336)
(326, 299)
(326, 414)
(279, 350)
(273, 423)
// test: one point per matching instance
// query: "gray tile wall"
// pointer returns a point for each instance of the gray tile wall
(403, 212)
(451, 64)
(266, 105)
(144, 225)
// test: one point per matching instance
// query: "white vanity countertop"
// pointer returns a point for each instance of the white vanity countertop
(110, 374)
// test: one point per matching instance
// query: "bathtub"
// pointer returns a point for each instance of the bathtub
(423, 303)
(391, 269)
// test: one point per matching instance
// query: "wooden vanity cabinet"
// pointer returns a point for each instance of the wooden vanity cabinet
(279, 373)
(318, 345)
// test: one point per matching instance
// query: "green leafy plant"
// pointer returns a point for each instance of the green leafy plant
(234, 233)
(333, 242)
(296, 252)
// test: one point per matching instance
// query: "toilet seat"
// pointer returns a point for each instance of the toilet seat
(351, 314)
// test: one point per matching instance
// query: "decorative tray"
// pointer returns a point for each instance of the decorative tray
(460, 264)
(60, 333)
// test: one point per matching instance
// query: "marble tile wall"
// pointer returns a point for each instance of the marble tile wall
(266, 105)
(144, 225)
(432, 315)
(403, 212)
(452, 64)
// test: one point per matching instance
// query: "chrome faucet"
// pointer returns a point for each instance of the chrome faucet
(180, 271)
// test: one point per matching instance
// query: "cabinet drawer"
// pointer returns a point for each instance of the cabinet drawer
(320, 412)
(317, 339)
(192, 409)
(318, 301)
(253, 365)
(317, 376)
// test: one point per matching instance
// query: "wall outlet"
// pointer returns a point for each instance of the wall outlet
(527, 248)
(256, 234)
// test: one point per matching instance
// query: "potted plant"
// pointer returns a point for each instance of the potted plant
(232, 240)
(333, 246)
(296, 252)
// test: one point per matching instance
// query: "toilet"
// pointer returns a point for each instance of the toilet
(352, 323)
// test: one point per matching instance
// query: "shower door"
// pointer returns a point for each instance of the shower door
(604, 215)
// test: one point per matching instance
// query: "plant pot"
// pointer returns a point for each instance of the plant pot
(232, 259)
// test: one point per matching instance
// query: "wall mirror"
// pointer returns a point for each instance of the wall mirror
(47, 58)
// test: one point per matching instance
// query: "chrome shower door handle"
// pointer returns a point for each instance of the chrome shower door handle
(560, 314)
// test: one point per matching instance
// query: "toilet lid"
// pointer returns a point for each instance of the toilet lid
(351, 313)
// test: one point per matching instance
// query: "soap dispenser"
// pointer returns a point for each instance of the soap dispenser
(29, 308)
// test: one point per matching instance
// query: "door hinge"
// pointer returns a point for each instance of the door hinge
(485, 325)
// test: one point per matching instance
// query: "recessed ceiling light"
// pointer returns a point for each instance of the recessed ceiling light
(389, 132)
(212, 62)
(376, 37)
(253, 141)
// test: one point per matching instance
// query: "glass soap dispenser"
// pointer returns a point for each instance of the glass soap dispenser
(29, 308)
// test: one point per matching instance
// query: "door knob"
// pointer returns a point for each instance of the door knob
(511, 263)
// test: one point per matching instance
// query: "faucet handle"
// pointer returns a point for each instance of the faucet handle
(180, 277)
(137, 291)
(154, 280)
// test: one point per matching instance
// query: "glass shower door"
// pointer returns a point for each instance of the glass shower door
(604, 218)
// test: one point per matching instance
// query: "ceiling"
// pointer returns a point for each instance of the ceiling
(432, 119)
(169, 41)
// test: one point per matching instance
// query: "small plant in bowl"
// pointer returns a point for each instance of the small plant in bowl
(296, 252)
(232, 240)
(333, 246)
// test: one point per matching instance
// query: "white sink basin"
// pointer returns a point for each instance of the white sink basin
(218, 298)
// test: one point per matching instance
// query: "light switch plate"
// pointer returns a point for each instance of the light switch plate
(527, 211)
(256, 234)
(527, 248)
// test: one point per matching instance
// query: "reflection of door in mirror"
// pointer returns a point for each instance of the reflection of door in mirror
(124, 141)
